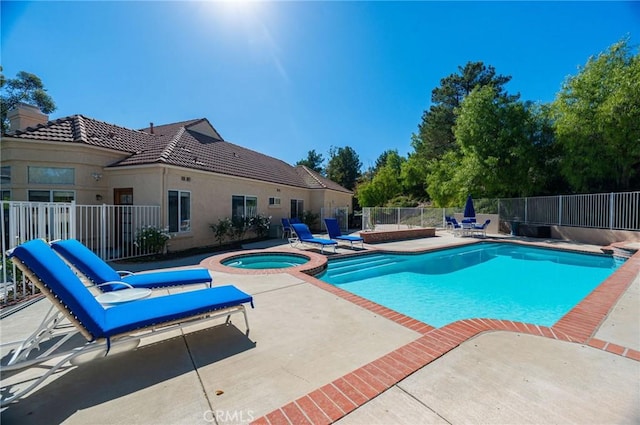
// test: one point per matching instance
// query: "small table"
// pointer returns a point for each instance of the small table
(123, 295)
(467, 228)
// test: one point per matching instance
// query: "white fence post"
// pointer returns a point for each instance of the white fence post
(611, 210)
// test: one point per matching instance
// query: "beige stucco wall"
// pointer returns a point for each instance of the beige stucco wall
(593, 236)
(210, 193)
(20, 154)
(211, 197)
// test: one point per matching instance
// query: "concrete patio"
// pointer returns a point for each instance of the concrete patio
(305, 340)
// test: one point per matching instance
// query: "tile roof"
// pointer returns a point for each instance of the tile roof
(193, 144)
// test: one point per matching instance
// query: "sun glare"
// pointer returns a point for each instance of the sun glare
(238, 9)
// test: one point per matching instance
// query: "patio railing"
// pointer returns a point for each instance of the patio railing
(108, 230)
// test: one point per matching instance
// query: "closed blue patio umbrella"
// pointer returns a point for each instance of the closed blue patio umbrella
(469, 211)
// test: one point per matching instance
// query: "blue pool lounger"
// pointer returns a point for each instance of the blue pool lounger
(334, 233)
(121, 325)
(100, 273)
(304, 235)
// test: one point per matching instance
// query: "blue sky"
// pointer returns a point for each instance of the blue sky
(283, 78)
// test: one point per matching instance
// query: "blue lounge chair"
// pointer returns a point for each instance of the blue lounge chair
(480, 229)
(334, 233)
(303, 234)
(121, 325)
(107, 279)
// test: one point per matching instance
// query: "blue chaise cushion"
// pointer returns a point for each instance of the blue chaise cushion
(92, 266)
(38, 256)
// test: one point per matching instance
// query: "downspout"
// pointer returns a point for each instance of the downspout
(164, 221)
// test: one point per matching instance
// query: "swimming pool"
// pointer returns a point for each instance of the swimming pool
(486, 280)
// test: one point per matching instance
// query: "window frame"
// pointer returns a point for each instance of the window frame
(182, 224)
(32, 178)
(299, 208)
(52, 195)
(245, 214)
(275, 202)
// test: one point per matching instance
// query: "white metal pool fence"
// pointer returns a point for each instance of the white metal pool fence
(614, 211)
(339, 213)
(108, 230)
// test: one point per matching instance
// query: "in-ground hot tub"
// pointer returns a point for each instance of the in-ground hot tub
(259, 261)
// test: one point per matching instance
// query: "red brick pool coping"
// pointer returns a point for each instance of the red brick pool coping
(336, 399)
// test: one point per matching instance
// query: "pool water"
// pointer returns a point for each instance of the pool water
(487, 280)
(265, 261)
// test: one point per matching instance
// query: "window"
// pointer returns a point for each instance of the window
(297, 208)
(274, 202)
(243, 206)
(5, 174)
(179, 211)
(51, 175)
(5, 195)
(51, 195)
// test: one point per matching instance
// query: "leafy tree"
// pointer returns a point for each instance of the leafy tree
(344, 166)
(597, 122)
(443, 180)
(27, 88)
(390, 155)
(313, 161)
(413, 175)
(384, 186)
(435, 133)
(492, 129)
(506, 148)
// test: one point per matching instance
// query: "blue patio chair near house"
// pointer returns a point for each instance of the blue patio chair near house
(286, 228)
(303, 234)
(121, 325)
(108, 279)
(333, 228)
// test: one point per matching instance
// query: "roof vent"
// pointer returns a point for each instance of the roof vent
(151, 127)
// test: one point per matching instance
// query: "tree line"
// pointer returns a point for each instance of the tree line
(476, 138)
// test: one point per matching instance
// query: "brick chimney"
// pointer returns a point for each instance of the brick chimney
(22, 116)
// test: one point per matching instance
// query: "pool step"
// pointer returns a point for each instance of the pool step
(350, 266)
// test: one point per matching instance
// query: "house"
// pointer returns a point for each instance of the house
(186, 168)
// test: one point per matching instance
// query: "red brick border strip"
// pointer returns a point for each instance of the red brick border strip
(342, 396)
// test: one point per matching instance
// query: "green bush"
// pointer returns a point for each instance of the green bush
(310, 219)
(152, 239)
(221, 229)
(260, 224)
(239, 227)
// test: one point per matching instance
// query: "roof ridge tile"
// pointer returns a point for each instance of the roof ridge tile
(78, 129)
(168, 150)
